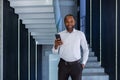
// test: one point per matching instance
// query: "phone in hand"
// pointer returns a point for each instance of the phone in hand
(57, 36)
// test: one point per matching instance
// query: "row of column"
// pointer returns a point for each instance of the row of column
(102, 28)
(21, 54)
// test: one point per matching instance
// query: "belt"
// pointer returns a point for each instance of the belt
(69, 63)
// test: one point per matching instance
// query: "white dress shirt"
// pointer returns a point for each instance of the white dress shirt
(70, 49)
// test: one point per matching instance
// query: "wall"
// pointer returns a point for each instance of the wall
(108, 34)
(67, 7)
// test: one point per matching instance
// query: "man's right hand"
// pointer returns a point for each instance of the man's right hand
(58, 42)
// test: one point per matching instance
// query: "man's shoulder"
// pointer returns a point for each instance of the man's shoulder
(79, 32)
(62, 32)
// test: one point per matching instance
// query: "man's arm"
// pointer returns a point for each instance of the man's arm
(84, 46)
(57, 43)
(54, 50)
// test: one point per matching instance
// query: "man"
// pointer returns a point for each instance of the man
(68, 47)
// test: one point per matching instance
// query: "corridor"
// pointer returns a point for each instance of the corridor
(27, 34)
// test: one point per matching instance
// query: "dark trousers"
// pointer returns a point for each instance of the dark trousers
(66, 69)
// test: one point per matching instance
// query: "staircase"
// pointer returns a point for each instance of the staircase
(38, 17)
(93, 69)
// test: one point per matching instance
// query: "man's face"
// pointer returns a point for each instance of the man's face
(69, 22)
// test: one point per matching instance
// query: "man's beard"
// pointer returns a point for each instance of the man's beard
(70, 28)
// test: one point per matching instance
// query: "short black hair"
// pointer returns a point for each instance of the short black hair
(69, 15)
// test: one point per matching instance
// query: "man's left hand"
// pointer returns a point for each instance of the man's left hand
(83, 66)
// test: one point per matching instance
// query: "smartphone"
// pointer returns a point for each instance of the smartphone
(57, 36)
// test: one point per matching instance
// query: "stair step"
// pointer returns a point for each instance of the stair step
(91, 53)
(93, 70)
(42, 33)
(36, 16)
(38, 21)
(44, 26)
(95, 76)
(46, 42)
(90, 49)
(43, 30)
(42, 38)
(93, 64)
(33, 3)
(91, 59)
(34, 10)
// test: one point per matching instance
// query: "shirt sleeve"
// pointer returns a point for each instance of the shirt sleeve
(55, 51)
(85, 49)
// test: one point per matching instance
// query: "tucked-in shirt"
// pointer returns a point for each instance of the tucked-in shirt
(70, 50)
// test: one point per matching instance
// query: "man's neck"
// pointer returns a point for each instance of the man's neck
(71, 30)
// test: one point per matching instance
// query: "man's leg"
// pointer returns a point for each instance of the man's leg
(63, 73)
(76, 71)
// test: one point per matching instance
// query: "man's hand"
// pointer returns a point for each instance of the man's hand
(83, 66)
(58, 42)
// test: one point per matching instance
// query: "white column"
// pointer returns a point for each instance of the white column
(28, 55)
(100, 33)
(116, 56)
(1, 39)
(90, 23)
(18, 49)
(36, 61)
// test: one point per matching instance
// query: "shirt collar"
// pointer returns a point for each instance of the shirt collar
(71, 32)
